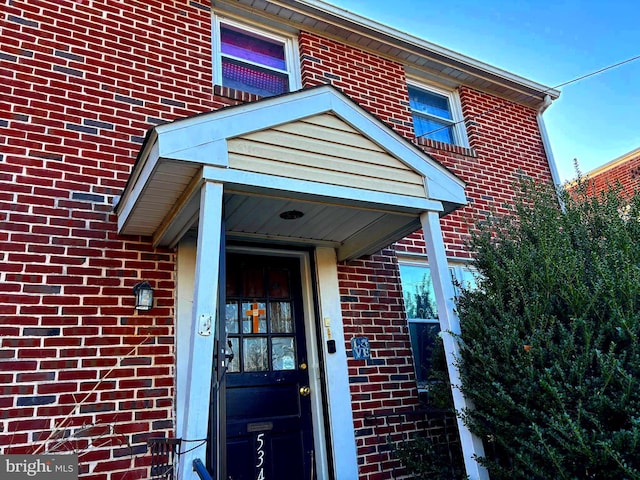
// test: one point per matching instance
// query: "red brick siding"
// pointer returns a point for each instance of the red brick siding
(377, 84)
(625, 173)
(372, 307)
(82, 82)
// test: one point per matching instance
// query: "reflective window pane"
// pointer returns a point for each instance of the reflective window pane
(418, 293)
(426, 347)
(254, 355)
(253, 79)
(283, 353)
(234, 363)
(433, 129)
(231, 318)
(430, 103)
(252, 47)
(281, 320)
(254, 317)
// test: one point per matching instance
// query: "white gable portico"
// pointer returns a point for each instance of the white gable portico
(310, 168)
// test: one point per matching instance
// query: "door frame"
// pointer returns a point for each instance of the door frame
(314, 361)
(332, 418)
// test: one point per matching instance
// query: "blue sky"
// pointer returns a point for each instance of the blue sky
(596, 119)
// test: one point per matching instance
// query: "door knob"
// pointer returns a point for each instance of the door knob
(305, 391)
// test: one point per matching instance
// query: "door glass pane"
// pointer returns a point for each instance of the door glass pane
(278, 284)
(254, 318)
(281, 320)
(252, 282)
(283, 353)
(231, 317)
(234, 363)
(254, 355)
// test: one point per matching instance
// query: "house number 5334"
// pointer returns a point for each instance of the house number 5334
(260, 456)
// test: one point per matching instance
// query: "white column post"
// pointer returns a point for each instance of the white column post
(200, 367)
(450, 324)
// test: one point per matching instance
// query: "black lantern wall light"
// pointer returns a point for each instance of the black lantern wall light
(144, 296)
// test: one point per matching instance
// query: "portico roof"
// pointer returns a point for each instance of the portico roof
(358, 185)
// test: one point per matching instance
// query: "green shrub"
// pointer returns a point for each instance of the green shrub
(550, 353)
(426, 459)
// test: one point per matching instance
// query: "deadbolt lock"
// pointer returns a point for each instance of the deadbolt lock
(303, 366)
(305, 391)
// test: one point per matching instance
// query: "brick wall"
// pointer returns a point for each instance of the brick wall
(377, 84)
(372, 307)
(81, 83)
(625, 173)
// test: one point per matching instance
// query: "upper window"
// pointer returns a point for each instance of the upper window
(436, 115)
(253, 61)
(422, 314)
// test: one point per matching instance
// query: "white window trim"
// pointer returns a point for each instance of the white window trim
(457, 121)
(292, 56)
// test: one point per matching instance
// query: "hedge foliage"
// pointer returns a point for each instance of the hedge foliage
(550, 353)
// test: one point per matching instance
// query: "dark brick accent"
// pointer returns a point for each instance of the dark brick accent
(40, 400)
(173, 103)
(68, 71)
(42, 332)
(23, 21)
(54, 289)
(8, 58)
(348, 299)
(132, 101)
(88, 197)
(95, 123)
(199, 6)
(80, 128)
(69, 56)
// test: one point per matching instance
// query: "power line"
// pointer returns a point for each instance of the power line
(563, 84)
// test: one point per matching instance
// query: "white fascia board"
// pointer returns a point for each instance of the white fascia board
(383, 33)
(182, 135)
(204, 152)
(138, 181)
(336, 194)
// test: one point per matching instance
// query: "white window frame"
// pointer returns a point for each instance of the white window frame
(457, 120)
(456, 268)
(292, 57)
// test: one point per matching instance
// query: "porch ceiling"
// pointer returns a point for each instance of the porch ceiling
(358, 185)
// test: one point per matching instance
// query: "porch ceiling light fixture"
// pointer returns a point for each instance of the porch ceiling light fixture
(144, 296)
(291, 215)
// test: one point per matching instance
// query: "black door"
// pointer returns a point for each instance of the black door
(268, 407)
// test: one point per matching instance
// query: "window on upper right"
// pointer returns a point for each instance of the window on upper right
(437, 115)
